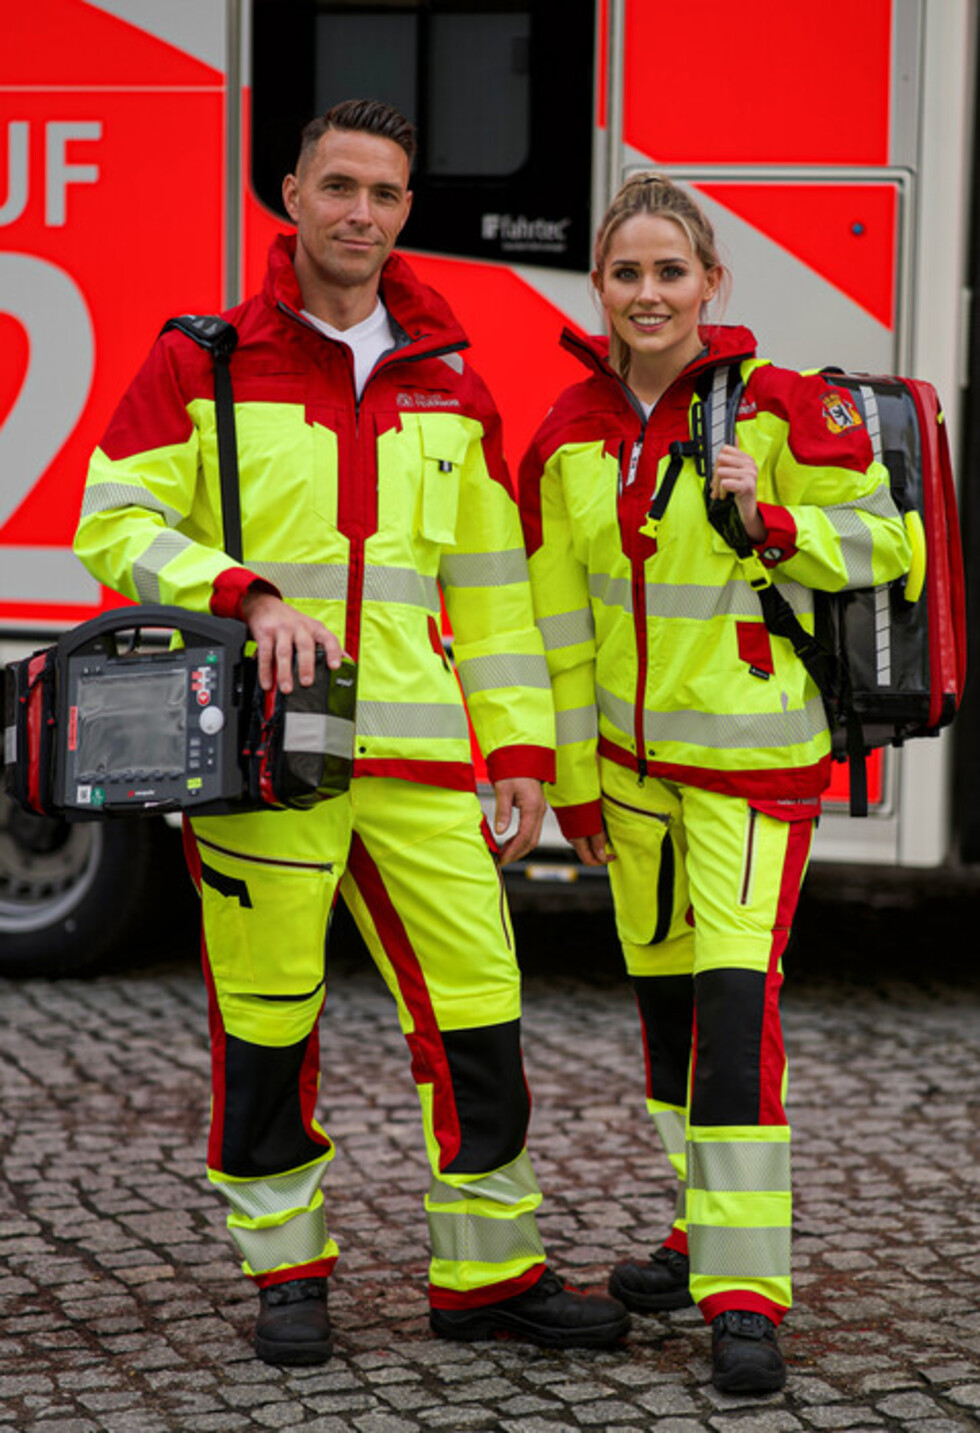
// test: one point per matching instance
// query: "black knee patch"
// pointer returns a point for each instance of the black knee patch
(727, 1076)
(490, 1094)
(667, 1011)
(263, 1130)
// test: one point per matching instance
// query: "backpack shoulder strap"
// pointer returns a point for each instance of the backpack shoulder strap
(220, 339)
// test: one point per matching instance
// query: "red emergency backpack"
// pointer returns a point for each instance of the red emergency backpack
(890, 661)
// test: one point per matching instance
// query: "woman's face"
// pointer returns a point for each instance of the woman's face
(652, 287)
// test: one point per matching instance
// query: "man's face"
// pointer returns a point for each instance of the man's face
(349, 200)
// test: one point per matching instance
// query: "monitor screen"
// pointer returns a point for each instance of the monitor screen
(134, 721)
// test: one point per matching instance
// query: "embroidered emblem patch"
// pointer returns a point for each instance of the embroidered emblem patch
(839, 412)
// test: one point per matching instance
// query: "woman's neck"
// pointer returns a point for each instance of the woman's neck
(650, 375)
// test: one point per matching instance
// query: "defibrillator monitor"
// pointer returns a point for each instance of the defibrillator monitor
(146, 728)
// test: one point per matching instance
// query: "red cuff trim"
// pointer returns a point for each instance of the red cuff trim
(677, 1239)
(512, 761)
(318, 1269)
(440, 1298)
(230, 586)
(717, 1304)
(779, 543)
(582, 820)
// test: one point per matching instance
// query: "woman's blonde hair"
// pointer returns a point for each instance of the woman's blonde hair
(650, 193)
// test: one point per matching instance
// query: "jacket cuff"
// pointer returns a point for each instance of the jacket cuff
(230, 586)
(779, 543)
(508, 762)
(584, 819)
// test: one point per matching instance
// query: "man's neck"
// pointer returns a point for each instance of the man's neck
(335, 304)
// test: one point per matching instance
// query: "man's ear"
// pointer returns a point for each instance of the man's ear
(290, 188)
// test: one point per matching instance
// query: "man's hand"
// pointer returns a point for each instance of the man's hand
(278, 631)
(592, 850)
(526, 794)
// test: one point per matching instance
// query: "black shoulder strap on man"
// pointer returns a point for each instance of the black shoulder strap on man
(220, 339)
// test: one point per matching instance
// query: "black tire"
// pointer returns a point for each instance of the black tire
(71, 894)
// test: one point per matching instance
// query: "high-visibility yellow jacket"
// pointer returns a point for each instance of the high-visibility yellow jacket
(658, 652)
(358, 513)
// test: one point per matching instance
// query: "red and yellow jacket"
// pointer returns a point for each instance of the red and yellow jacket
(358, 513)
(658, 653)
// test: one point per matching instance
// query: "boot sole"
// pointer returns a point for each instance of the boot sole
(293, 1354)
(747, 1382)
(650, 1303)
(479, 1327)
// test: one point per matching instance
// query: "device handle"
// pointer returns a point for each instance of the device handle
(223, 631)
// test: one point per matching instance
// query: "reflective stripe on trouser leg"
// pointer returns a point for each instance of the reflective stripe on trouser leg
(745, 871)
(427, 899)
(649, 886)
(265, 917)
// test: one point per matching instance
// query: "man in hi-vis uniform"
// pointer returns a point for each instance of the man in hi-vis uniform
(372, 480)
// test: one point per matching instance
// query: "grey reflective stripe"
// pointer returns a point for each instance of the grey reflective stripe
(327, 582)
(566, 629)
(741, 1166)
(719, 395)
(720, 1252)
(276, 1194)
(731, 731)
(107, 497)
(669, 1125)
(147, 568)
(45, 574)
(510, 1185)
(578, 724)
(467, 1237)
(680, 1204)
(299, 1240)
(611, 591)
(411, 719)
(483, 674)
(872, 418)
(316, 731)
(9, 745)
(701, 601)
(484, 569)
(856, 540)
(317, 581)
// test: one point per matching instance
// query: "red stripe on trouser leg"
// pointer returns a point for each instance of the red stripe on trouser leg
(216, 1027)
(772, 1054)
(742, 1299)
(429, 1064)
(442, 1298)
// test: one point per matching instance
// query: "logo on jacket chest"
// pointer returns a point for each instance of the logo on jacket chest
(421, 401)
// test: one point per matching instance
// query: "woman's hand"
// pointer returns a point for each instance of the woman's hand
(736, 475)
(592, 850)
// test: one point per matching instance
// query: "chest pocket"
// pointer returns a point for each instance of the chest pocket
(444, 442)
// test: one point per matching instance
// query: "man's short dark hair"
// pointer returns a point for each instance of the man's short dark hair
(365, 117)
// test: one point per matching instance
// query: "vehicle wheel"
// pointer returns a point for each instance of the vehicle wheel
(69, 891)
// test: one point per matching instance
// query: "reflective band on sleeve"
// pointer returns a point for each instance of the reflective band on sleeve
(742, 1166)
(739, 1253)
(506, 669)
(108, 497)
(147, 569)
(579, 724)
(316, 731)
(484, 569)
(566, 629)
(411, 719)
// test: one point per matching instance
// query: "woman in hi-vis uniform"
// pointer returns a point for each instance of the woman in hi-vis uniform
(692, 744)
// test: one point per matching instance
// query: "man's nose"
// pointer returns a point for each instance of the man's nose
(360, 208)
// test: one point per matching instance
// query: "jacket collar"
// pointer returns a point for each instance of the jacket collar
(723, 343)
(418, 310)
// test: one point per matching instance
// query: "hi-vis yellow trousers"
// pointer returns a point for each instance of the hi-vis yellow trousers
(705, 888)
(413, 864)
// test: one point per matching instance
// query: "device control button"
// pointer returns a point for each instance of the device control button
(212, 719)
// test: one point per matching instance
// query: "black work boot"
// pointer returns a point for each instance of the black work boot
(293, 1325)
(547, 1314)
(745, 1353)
(661, 1283)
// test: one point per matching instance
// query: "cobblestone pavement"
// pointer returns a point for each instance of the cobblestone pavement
(121, 1307)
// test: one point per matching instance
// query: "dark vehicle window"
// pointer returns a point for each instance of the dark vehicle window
(502, 93)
